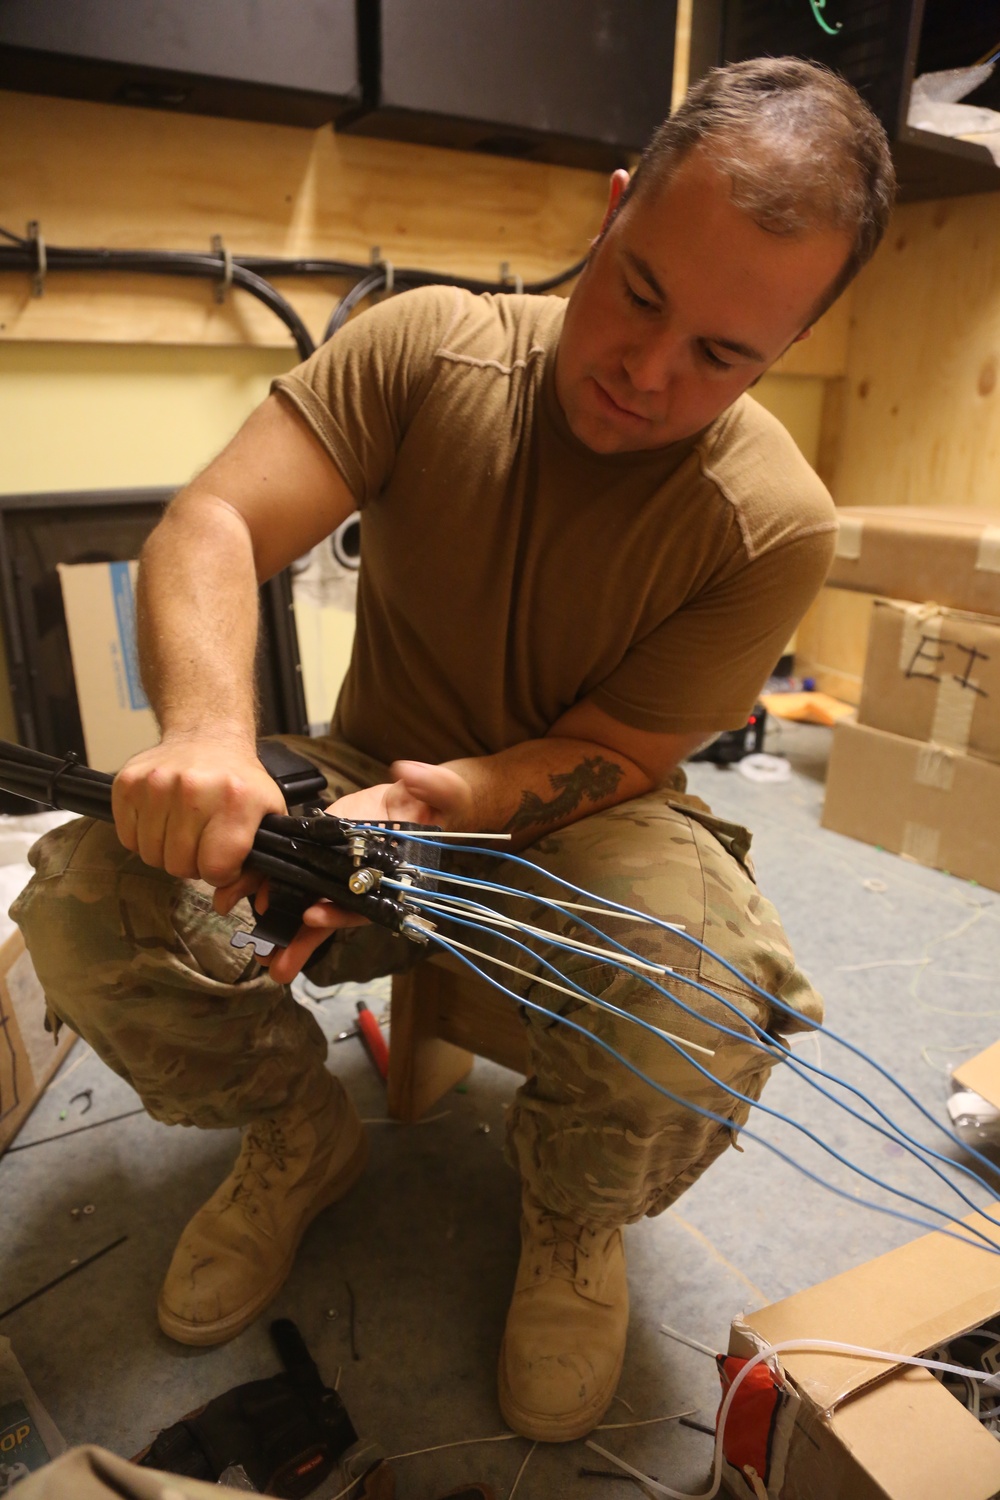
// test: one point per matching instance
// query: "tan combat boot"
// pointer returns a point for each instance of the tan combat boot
(238, 1249)
(564, 1343)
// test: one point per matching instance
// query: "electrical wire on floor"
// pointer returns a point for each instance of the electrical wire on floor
(763, 1042)
(618, 908)
(676, 1043)
(727, 1123)
(463, 911)
(800, 1066)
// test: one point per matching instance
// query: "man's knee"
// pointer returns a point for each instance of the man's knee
(102, 927)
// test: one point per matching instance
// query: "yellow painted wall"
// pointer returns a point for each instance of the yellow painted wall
(87, 416)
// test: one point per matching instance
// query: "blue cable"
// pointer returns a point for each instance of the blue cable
(727, 1088)
(710, 953)
(899, 1137)
(896, 1135)
(699, 1109)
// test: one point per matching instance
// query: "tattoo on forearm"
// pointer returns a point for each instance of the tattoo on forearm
(593, 779)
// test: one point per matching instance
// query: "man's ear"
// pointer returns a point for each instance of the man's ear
(806, 333)
(617, 186)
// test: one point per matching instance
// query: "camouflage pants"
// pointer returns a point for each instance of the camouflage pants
(140, 965)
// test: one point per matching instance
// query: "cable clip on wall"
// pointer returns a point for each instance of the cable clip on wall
(41, 258)
(507, 279)
(226, 256)
(385, 266)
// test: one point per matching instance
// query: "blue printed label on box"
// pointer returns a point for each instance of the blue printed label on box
(124, 597)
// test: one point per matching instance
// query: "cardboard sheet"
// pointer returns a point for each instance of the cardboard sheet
(99, 600)
(28, 1054)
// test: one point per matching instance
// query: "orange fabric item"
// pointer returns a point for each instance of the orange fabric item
(752, 1416)
(807, 708)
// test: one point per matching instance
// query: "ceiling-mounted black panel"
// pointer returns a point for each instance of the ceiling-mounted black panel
(879, 46)
(580, 82)
(292, 62)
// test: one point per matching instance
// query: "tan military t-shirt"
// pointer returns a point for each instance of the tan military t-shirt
(507, 571)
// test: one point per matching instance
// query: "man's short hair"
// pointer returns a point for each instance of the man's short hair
(802, 148)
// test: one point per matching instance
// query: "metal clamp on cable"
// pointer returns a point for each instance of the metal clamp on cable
(506, 278)
(385, 266)
(71, 760)
(41, 259)
(222, 287)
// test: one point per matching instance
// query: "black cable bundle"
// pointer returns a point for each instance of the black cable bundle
(250, 273)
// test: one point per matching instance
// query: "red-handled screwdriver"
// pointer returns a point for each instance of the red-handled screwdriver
(374, 1041)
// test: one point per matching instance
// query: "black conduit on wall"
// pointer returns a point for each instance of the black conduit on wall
(251, 274)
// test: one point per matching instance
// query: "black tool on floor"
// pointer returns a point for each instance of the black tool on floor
(287, 1433)
(733, 744)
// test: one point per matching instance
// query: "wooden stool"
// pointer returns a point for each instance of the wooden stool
(443, 1017)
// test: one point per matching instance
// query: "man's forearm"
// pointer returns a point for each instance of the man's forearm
(541, 785)
(197, 621)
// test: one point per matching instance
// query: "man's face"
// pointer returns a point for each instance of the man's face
(682, 305)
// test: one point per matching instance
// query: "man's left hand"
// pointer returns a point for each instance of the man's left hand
(421, 793)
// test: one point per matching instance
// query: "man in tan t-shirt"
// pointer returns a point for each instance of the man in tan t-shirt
(584, 548)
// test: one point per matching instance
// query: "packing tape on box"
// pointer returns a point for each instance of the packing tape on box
(953, 711)
(920, 843)
(955, 699)
(849, 531)
(935, 767)
(988, 557)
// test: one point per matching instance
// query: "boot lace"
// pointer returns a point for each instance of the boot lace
(570, 1251)
(264, 1149)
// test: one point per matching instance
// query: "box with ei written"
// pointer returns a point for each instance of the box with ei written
(847, 1425)
(931, 804)
(934, 674)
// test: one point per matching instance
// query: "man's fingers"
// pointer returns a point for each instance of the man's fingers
(318, 922)
(435, 794)
(248, 884)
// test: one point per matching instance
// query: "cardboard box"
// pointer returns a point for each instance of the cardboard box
(930, 804)
(934, 674)
(949, 557)
(981, 1074)
(28, 1054)
(99, 599)
(868, 1429)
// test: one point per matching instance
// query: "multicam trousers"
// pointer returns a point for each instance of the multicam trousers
(140, 965)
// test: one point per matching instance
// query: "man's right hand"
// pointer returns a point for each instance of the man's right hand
(192, 804)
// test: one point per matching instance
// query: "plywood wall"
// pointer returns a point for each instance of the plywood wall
(103, 175)
(919, 418)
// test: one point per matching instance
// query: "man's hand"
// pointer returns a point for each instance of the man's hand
(192, 805)
(422, 794)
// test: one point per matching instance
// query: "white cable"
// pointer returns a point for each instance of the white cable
(600, 911)
(460, 908)
(783, 1346)
(574, 994)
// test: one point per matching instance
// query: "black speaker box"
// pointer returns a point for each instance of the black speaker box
(579, 82)
(880, 46)
(291, 62)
